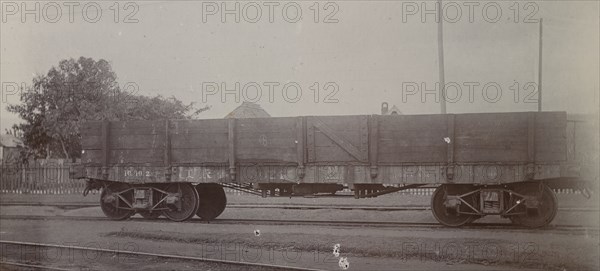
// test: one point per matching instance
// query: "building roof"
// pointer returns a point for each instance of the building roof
(10, 141)
(248, 110)
(394, 111)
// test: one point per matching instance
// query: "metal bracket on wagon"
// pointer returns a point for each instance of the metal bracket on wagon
(374, 172)
(168, 173)
(232, 173)
(301, 172)
(173, 200)
(450, 172)
(530, 172)
(90, 185)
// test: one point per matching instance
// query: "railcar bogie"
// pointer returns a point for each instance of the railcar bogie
(175, 201)
(528, 204)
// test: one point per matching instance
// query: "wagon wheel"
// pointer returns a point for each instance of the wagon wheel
(185, 203)
(212, 201)
(150, 215)
(544, 214)
(442, 214)
(114, 206)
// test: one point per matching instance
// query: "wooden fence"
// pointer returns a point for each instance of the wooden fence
(39, 179)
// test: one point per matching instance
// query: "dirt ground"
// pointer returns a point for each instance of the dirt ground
(69, 258)
(311, 246)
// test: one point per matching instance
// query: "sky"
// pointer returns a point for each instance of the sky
(345, 59)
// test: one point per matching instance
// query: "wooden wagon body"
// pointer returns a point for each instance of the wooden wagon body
(480, 148)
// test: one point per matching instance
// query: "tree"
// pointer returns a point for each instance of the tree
(76, 91)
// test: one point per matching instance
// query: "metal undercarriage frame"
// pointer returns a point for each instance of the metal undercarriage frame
(493, 201)
(143, 197)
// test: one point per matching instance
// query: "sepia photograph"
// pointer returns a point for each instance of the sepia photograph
(300, 135)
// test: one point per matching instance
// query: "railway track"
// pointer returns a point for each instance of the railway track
(243, 265)
(281, 206)
(27, 266)
(354, 224)
(243, 205)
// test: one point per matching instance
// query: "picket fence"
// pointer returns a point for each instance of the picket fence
(39, 178)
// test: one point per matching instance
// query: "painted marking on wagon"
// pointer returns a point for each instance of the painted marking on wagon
(331, 173)
(263, 140)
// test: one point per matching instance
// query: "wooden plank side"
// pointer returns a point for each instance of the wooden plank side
(487, 137)
(332, 153)
(198, 126)
(105, 150)
(341, 123)
(266, 139)
(550, 145)
(412, 155)
(152, 156)
(551, 137)
(373, 145)
(133, 141)
(412, 122)
(300, 145)
(504, 137)
(199, 140)
(199, 155)
(451, 139)
(406, 139)
(270, 154)
(549, 120)
(413, 138)
(491, 137)
(338, 138)
(231, 147)
(571, 144)
(148, 134)
(167, 157)
(265, 124)
(322, 139)
(140, 127)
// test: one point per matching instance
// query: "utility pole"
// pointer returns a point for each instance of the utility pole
(540, 71)
(441, 57)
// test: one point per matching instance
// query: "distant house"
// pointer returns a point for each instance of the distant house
(248, 110)
(9, 148)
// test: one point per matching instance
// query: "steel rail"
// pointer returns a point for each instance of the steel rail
(362, 224)
(33, 266)
(158, 255)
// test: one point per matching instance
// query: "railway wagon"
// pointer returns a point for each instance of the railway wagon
(482, 164)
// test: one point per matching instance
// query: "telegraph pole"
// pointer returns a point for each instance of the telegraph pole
(441, 58)
(540, 70)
